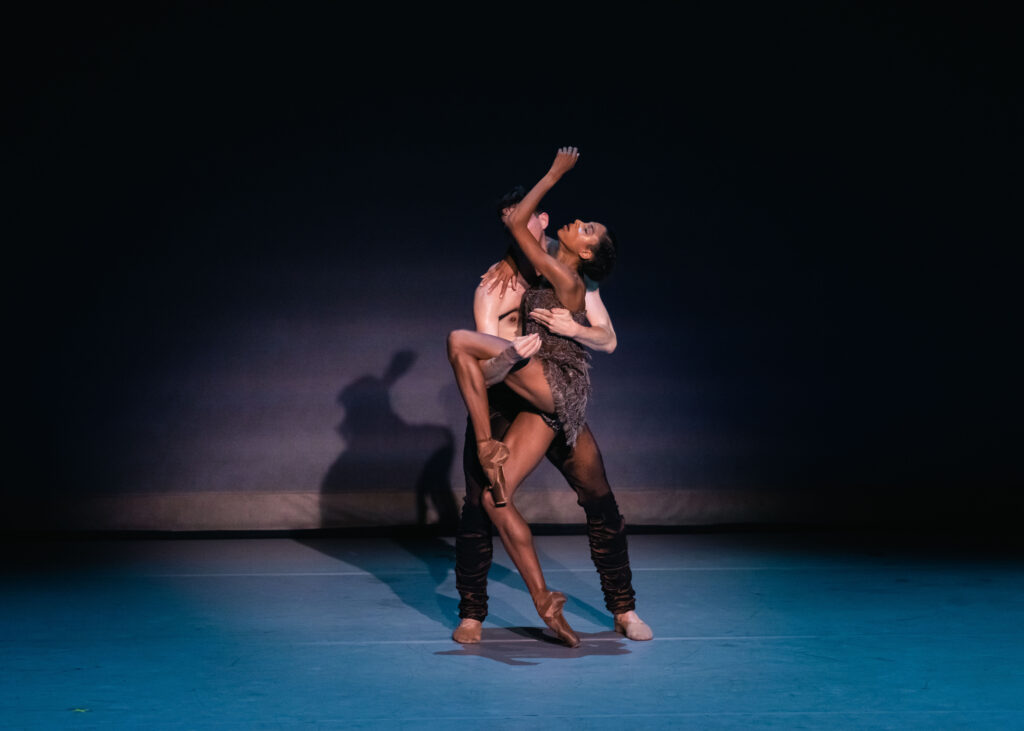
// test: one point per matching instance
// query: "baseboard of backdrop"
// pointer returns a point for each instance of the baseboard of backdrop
(227, 511)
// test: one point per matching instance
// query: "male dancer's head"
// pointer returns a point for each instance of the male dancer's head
(538, 221)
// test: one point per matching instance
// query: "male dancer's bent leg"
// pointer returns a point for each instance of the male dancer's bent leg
(473, 542)
(473, 546)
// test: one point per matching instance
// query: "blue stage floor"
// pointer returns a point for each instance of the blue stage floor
(752, 631)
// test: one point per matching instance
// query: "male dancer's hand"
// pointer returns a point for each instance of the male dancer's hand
(556, 320)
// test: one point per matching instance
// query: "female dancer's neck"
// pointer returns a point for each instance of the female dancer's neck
(567, 257)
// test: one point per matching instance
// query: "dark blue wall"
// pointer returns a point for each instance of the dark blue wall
(223, 219)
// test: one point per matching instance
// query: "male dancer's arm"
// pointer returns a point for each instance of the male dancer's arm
(489, 307)
(600, 335)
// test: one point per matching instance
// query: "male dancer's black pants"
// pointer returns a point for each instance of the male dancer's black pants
(583, 467)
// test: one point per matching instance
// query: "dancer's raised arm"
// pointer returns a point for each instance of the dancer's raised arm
(566, 281)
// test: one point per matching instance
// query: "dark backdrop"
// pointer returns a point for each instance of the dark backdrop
(227, 221)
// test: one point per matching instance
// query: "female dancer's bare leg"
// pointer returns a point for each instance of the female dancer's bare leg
(525, 444)
(528, 439)
(466, 348)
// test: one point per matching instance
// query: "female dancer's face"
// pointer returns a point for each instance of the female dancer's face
(581, 235)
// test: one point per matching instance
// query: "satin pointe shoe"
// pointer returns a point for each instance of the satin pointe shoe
(549, 607)
(493, 454)
(632, 627)
(468, 632)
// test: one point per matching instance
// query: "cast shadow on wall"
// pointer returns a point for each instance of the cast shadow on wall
(390, 470)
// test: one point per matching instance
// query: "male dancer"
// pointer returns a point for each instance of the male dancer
(496, 312)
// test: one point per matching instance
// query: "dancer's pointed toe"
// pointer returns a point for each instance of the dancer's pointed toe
(549, 607)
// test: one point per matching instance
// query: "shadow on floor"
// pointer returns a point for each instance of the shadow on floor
(422, 594)
(437, 556)
(519, 645)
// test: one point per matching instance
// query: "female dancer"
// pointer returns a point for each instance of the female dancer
(555, 381)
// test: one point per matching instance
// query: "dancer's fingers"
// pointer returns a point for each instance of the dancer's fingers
(565, 160)
(526, 345)
(531, 348)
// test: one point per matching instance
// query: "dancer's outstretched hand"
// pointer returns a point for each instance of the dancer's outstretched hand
(565, 160)
(527, 345)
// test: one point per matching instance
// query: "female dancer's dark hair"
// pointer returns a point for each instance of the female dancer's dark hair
(600, 265)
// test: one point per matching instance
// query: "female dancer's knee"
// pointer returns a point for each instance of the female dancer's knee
(456, 344)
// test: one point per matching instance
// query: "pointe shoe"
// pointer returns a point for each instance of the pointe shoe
(468, 632)
(634, 628)
(550, 610)
(493, 454)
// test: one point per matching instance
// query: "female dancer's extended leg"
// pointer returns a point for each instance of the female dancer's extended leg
(528, 439)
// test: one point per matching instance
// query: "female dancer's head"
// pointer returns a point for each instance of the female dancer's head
(593, 243)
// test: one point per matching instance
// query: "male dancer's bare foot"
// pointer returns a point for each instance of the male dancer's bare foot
(634, 628)
(468, 632)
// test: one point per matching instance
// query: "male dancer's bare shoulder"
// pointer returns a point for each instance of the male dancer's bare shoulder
(496, 301)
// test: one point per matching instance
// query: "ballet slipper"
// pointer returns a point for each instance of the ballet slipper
(468, 632)
(549, 607)
(632, 627)
(493, 454)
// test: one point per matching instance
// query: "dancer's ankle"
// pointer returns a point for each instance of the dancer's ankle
(495, 369)
(539, 594)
